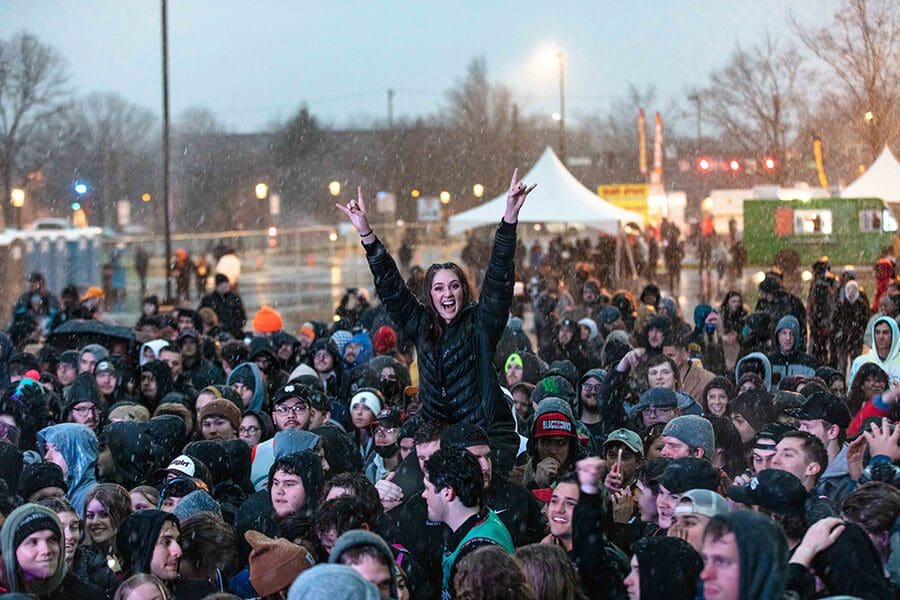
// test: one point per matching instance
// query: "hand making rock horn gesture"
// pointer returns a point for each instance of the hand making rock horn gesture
(356, 212)
(515, 198)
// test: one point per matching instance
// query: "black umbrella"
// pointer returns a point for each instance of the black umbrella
(76, 334)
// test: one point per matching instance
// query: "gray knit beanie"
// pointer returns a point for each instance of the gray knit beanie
(361, 537)
(330, 582)
(196, 501)
(694, 431)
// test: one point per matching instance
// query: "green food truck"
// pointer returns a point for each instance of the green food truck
(847, 230)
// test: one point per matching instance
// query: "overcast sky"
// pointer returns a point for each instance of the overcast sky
(251, 62)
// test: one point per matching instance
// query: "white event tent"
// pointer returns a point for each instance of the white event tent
(558, 198)
(881, 180)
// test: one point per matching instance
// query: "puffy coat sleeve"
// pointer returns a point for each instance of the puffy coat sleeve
(401, 304)
(497, 289)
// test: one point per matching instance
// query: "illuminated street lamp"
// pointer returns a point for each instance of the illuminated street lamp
(415, 193)
(551, 53)
(17, 197)
(146, 197)
(869, 116)
(334, 188)
(262, 190)
(478, 190)
(445, 197)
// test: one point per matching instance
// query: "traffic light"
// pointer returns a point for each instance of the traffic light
(734, 166)
(704, 165)
(769, 163)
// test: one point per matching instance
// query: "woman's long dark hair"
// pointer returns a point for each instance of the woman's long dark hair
(732, 322)
(437, 323)
(856, 397)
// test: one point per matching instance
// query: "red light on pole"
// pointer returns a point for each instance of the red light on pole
(769, 163)
(734, 165)
(704, 165)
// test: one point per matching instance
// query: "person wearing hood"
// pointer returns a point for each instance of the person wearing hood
(196, 369)
(756, 334)
(84, 404)
(222, 487)
(779, 303)
(567, 345)
(837, 558)
(34, 564)
(750, 411)
(325, 358)
(393, 378)
(590, 337)
(789, 357)
(850, 320)
(295, 483)
(149, 542)
(150, 351)
(588, 392)
(885, 351)
(125, 454)
(286, 347)
(553, 445)
(73, 448)
(227, 305)
(385, 456)
(370, 556)
(668, 308)
(262, 352)
(708, 338)
(455, 337)
(744, 556)
(755, 363)
(89, 356)
(664, 567)
(514, 340)
(247, 380)
(358, 350)
(155, 381)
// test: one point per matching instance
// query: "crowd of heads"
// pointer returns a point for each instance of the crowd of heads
(738, 454)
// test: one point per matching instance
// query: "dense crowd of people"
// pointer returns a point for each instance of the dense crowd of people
(424, 445)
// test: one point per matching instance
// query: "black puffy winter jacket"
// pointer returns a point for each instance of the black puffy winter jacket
(457, 380)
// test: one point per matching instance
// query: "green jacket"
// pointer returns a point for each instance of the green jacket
(482, 529)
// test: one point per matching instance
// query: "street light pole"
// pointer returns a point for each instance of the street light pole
(167, 211)
(562, 109)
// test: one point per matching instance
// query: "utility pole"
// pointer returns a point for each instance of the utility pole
(697, 100)
(562, 110)
(390, 109)
(167, 211)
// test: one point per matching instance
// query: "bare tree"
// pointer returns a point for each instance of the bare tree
(756, 101)
(861, 49)
(479, 122)
(34, 93)
(614, 133)
(111, 142)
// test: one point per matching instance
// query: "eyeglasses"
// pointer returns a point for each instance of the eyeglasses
(249, 430)
(215, 422)
(654, 411)
(296, 409)
(83, 411)
(590, 387)
(383, 432)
